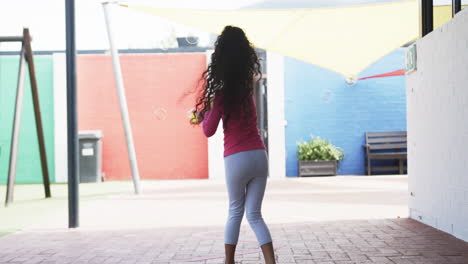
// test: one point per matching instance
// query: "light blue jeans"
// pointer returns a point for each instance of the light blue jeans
(246, 178)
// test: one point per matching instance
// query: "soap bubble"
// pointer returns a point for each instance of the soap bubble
(327, 95)
(160, 113)
(351, 81)
(164, 45)
(192, 40)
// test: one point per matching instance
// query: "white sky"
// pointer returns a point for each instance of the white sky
(46, 20)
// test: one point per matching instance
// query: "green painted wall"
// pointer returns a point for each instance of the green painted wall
(29, 166)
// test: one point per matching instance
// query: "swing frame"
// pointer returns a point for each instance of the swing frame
(26, 57)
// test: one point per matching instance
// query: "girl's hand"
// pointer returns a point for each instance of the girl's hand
(192, 116)
(194, 119)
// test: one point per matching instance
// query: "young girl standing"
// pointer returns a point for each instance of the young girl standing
(228, 95)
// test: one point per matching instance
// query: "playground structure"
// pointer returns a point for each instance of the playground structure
(26, 56)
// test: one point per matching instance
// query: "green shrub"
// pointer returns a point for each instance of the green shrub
(319, 149)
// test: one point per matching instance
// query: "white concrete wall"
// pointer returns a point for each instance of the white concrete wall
(60, 117)
(215, 145)
(437, 98)
(216, 154)
(276, 116)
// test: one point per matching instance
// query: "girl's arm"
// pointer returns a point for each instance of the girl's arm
(212, 118)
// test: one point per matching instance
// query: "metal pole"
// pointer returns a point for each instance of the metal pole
(456, 7)
(73, 180)
(427, 16)
(37, 112)
(122, 100)
(11, 39)
(16, 129)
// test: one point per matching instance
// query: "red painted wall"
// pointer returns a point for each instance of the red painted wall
(167, 146)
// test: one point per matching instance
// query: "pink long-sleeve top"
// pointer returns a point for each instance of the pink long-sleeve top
(240, 134)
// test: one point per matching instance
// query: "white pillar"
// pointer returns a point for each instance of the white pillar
(276, 115)
(60, 117)
(216, 154)
(215, 146)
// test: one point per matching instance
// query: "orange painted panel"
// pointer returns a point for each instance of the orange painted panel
(167, 146)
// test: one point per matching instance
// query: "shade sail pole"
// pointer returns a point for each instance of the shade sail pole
(122, 100)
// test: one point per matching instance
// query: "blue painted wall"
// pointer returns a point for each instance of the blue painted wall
(318, 102)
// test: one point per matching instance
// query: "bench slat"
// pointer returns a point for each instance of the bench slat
(386, 134)
(386, 140)
(387, 146)
(386, 168)
(383, 156)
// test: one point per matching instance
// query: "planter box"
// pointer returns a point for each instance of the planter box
(317, 168)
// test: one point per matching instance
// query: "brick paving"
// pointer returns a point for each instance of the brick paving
(327, 220)
(331, 242)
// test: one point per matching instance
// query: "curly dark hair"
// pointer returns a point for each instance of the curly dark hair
(231, 72)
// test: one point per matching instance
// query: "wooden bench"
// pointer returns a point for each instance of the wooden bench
(386, 146)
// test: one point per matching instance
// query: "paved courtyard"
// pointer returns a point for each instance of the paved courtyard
(312, 220)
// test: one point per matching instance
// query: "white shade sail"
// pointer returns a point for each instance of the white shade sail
(342, 39)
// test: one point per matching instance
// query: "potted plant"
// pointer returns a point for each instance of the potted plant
(318, 157)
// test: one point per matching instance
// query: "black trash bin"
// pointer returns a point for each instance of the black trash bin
(90, 160)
